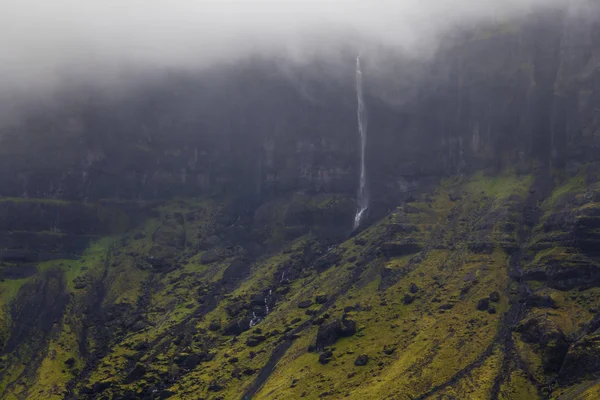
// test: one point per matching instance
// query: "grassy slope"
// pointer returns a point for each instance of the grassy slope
(442, 344)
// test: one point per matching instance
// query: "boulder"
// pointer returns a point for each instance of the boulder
(494, 297)
(237, 327)
(329, 333)
(483, 304)
(325, 357)
(361, 360)
(305, 304)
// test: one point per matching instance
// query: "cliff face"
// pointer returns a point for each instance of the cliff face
(191, 239)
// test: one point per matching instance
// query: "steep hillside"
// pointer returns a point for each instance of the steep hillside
(485, 287)
(193, 238)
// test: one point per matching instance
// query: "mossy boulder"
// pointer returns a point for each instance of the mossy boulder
(329, 333)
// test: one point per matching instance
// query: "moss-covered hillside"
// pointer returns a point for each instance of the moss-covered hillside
(486, 287)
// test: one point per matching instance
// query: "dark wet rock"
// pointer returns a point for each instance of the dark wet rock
(190, 361)
(494, 297)
(96, 388)
(135, 374)
(325, 357)
(360, 241)
(551, 341)
(389, 350)
(233, 360)
(249, 371)
(215, 386)
(70, 362)
(483, 304)
(361, 360)
(537, 301)
(411, 209)
(327, 261)
(447, 306)
(321, 299)
(254, 341)
(492, 310)
(214, 326)
(237, 327)
(305, 304)
(413, 288)
(481, 247)
(329, 333)
(394, 249)
(211, 256)
(166, 394)
(235, 308)
(408, 299)
(582, 361)
(394, 229)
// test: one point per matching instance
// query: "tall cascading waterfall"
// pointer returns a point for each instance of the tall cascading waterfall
(361, 112)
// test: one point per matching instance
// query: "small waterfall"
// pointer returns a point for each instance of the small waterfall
(361, 112)
(255, 320)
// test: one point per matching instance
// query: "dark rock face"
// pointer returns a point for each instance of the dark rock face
(400, 249)
(582, 360)
(136, 373)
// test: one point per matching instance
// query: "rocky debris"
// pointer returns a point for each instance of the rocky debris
(389, 350)
(361, 360)
(305, 304)
(445, 307)
(408, 299)
(233, 360)
(329, 333)
(483, 304)
(492, 310)
(325, 357)
(321, 299)
(413, 288)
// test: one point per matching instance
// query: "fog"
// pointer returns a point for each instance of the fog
(44, 42)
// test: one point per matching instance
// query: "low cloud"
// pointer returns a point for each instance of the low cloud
(45, 42)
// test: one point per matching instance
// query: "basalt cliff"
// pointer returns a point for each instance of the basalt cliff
(193, 238)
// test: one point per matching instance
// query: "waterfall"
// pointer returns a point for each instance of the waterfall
(361, 112)
(254, 320)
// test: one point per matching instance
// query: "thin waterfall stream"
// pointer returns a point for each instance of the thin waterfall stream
(361, 112)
